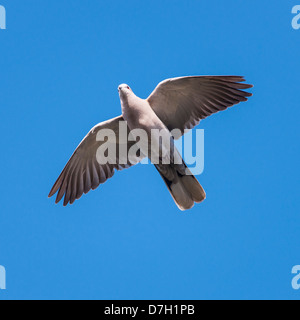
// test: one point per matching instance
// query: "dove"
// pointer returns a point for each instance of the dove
(175, 106)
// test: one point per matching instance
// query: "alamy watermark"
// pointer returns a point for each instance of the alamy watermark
(296, 19)
(2, 17)
(2, 278)
(296, 278)
(154, 145)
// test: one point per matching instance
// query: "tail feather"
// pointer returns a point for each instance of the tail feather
(194, 187)
(184, 189)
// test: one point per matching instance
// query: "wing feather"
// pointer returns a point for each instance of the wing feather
(182, 102)
(83, 172)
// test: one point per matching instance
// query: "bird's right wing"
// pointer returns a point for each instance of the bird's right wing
(182, 102)
(86, 168)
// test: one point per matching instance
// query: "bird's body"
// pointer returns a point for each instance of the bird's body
(175, 105)
(140, 117)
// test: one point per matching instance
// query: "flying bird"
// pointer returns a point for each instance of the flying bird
(175, 104)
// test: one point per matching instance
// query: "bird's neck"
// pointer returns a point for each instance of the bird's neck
(128, 101)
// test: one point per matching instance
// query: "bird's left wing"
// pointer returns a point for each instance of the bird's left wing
(182, 102)
(85, 171)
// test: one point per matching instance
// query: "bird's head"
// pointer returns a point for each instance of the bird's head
(124, 89)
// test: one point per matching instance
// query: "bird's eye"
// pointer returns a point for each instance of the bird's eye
(128, 87)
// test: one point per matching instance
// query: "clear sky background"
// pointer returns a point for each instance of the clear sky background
(60, 65)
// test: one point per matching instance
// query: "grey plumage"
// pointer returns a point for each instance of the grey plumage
(177, 103)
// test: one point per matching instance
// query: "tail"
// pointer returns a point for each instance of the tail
(183, 186)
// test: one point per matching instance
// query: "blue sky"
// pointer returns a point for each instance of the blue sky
(60, 65)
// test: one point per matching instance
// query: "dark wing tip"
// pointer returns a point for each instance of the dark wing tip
(248, 86)
(57, 184)
(52, 192)
(66, 200)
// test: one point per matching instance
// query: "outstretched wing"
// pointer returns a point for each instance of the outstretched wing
(182, 102)
(85, 171)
